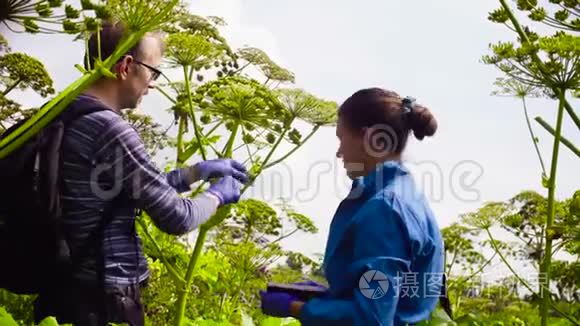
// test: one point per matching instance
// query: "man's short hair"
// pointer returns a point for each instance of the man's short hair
(111, 34)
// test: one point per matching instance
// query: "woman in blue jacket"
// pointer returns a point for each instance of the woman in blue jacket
(384, 255)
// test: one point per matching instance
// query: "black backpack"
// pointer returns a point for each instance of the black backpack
(33, 252)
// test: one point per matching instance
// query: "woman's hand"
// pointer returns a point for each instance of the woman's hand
(280, 304)
(296, 309)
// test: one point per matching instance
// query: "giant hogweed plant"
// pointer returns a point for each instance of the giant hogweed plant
(231, 115)
(552, 65)
(250, 119)
(139, 17)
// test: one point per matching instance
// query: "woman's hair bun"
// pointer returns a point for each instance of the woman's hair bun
(422, 122)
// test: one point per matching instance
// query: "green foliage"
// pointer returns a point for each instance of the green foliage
(259, 59)
(229, 273)
(561, 67)
(460, 248)
(3, 44)
(47, 17)
(184, 49)
(153, 134)
(19, 70)
(20, 306)
(308, 107)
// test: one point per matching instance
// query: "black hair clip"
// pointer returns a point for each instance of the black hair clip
(408, 104)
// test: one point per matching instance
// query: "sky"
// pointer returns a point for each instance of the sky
(430, 50)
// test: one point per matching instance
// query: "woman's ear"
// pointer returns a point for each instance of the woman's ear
(379, 141)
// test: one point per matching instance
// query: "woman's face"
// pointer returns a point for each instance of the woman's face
(351, 149)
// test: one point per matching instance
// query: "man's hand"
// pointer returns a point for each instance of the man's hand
(227, 190)
(218, 168)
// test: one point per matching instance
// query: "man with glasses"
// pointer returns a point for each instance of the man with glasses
(107, 177)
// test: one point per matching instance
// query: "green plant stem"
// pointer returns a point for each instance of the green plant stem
(213, 129)
(193, 148)
(472, 275)
(294, 149)
(533, 135)
(572, 114)
(170, 268)
(11, 87)
(273, 149)
(228, 149)
(87, 55)
(452, 261)
(563, 140)
(545, 269)
(182, 300)
(99, 41)
(265, 162)
(190, 73)
(192, 112)
(39, 120)
(504, 260)
(164, 93)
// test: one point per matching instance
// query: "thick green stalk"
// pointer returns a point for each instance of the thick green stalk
(563, 140)
(192, 112)
(228, 149)
(182, 299)
(545, 269)
(294, 149)
(54, 107)
(533, 136)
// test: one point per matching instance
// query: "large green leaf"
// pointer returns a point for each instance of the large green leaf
(6, 319)
(49, 321)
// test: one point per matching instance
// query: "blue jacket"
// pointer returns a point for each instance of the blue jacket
(384, 256)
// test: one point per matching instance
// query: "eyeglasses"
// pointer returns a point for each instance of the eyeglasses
(155, 73)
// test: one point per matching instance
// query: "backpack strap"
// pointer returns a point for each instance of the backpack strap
(51, 154)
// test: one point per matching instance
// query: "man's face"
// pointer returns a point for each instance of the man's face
(137, 75)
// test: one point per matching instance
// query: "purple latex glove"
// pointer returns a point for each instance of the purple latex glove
(276, 304)
(219, 168)
(227, 190)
